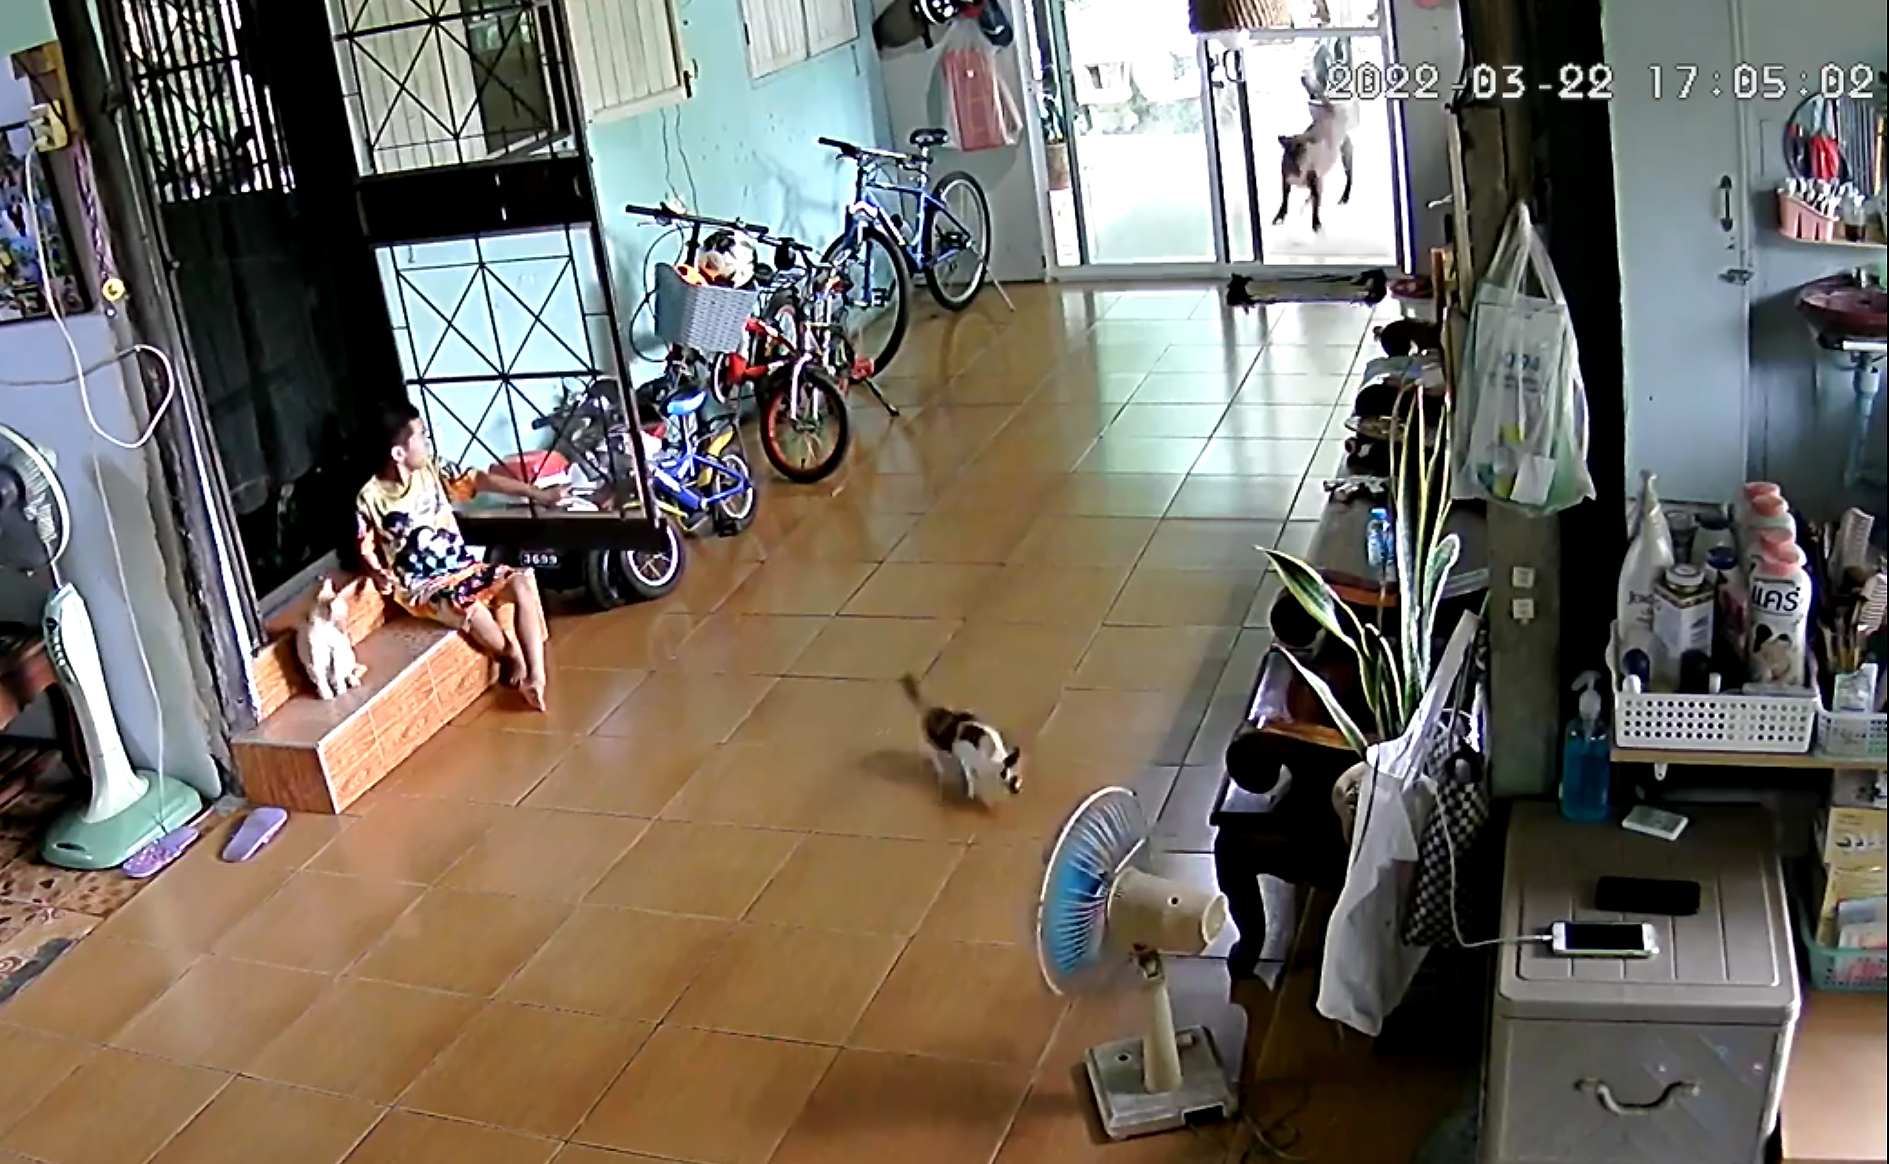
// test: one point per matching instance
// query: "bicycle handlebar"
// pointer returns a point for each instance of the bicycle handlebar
(664, 214)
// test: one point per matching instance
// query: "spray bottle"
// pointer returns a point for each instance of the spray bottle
(1586, 760)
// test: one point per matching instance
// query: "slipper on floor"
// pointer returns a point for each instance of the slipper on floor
(257, 830)
(152, 859)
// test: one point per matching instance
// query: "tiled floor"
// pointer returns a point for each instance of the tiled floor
(713, 909)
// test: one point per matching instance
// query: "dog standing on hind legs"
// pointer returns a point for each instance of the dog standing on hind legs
(966, 752)
(1306, 158)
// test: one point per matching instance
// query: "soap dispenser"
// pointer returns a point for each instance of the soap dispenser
(1586, 759)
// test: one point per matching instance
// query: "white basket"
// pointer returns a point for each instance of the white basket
(1663, 721)
(1781, 725)
(1853, 735)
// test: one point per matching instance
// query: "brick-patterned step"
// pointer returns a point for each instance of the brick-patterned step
(315, 755)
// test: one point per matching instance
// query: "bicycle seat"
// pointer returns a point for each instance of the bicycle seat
(664, 397)
(926, 138)
(684, 404)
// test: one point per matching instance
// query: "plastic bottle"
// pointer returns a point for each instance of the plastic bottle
(1768, 512)
(1380, 545)
(1768, 543)
(1741, 511)
(1779, 614)
(1586, 760)
(1650, 552)
(1714, 532)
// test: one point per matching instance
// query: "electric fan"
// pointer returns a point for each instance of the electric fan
(127, 809)
(1101, 915)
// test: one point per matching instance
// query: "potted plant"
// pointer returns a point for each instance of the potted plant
(1393, 673)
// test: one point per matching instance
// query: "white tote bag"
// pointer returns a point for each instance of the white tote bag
(1367, 967)
(1525, 431)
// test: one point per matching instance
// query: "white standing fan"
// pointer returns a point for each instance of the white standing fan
(128, 809)
(1102, 915)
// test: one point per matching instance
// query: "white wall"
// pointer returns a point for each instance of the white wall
(133, 482)
(915, 96)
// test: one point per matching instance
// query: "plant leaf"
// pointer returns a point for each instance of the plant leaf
(1436, 572)
(1347, 727)
(1317, 599)
(1383, 684)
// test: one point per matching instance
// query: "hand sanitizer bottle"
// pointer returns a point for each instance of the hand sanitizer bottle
(1586, 760)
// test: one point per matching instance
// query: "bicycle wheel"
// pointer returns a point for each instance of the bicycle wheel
(879, 302)
(735, 512)
(956, 240)
(808, 447)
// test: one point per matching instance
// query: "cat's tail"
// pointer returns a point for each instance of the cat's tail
(909, 684)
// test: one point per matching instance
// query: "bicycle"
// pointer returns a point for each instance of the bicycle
(949, 245)
(699, 472)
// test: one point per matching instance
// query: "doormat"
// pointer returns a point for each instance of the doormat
(1252, 291)
(32, 938)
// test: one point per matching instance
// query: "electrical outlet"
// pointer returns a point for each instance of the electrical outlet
(48, 124)
(1522, 610)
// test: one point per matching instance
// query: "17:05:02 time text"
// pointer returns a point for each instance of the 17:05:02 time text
(1746, 82)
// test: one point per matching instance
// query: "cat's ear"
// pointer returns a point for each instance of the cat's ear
(1014, 758)
(327, 589)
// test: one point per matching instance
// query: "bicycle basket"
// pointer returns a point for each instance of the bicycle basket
(707, 318)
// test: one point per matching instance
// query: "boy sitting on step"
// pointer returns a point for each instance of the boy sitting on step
(411, 546)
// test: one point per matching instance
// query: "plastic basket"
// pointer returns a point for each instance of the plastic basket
(1832, 968)
(1782, 725)
(706, 318)
(1853, 735)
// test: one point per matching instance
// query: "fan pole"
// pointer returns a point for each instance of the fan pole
(1160, 1047)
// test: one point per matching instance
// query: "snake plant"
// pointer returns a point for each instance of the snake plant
(1394, 674)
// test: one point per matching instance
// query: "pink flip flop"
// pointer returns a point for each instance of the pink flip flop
(151, 860)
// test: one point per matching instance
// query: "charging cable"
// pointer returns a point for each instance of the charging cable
(80, 369)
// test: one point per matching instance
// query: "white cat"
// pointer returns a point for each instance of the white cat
(966, 751)
(323, 645)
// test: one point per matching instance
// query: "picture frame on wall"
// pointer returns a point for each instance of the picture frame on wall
(23, 286)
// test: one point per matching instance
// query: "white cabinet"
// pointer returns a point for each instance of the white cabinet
(1681, 200)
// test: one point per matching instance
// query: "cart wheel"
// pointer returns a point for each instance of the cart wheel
(600, 580)
(642, 575)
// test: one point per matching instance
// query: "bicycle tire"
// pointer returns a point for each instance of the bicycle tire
(901, 303)
(927, 240)
(733, 519)
(773, 414)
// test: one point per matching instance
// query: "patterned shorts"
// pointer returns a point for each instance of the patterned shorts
(452, 601)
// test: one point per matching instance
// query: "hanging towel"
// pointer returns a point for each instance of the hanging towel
(984, 112)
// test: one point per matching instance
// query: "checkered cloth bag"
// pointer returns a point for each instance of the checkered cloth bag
(1460, 812)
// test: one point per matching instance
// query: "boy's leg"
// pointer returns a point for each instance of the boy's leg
(529, 610)
(486, 633)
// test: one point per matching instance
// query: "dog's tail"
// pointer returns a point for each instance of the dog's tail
(909, 684)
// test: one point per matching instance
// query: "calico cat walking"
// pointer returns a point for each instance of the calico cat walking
(965, 750)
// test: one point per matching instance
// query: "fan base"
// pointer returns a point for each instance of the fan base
(1128, 1110)
(72, 843)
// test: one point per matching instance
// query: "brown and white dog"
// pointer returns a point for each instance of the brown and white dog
(1307, 158)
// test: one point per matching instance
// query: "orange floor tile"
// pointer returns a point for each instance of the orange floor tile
(713, 909)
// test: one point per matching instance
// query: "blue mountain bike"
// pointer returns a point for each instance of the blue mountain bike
(940, 230)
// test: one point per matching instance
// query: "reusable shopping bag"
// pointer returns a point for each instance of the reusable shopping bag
(1524, 437)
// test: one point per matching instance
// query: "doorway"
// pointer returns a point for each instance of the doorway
(1165, 148)
(249, 165)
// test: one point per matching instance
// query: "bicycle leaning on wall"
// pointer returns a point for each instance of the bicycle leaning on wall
(945, 237)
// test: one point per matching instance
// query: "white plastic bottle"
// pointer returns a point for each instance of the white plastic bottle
(1768, 543)
(1767, 512)
(1778, 613)
(1648, 555)
(1741, 509)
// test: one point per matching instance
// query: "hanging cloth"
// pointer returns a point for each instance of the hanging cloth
(985, 114)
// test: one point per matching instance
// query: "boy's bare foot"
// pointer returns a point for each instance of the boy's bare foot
(512, 669)
(532, 689)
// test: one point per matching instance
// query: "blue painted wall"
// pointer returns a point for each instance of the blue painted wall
(750, 145)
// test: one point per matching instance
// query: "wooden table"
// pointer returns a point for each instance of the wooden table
(1836, 1090)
